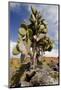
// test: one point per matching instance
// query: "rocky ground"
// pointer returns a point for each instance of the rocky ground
(46, 73)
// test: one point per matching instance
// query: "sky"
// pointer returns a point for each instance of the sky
(20, 12)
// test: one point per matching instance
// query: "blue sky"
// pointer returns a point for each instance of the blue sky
(18, 12)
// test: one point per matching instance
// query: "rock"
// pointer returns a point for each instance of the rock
(29, 76)
(24, 84)
(35, 81)
(42, 77)
(38, 76)
(55, 68)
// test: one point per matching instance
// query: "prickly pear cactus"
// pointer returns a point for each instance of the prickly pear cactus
(32, 38)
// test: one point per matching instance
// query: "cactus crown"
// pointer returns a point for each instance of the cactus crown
(33, 35)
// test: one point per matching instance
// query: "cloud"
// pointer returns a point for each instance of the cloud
(53, 53)
(14, 5)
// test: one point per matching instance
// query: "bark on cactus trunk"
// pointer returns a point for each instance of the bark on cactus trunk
(34, 60)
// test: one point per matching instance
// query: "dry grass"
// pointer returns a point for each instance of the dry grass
(16, 63)
(51, 60)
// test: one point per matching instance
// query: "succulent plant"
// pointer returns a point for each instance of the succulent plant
(33, 35)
